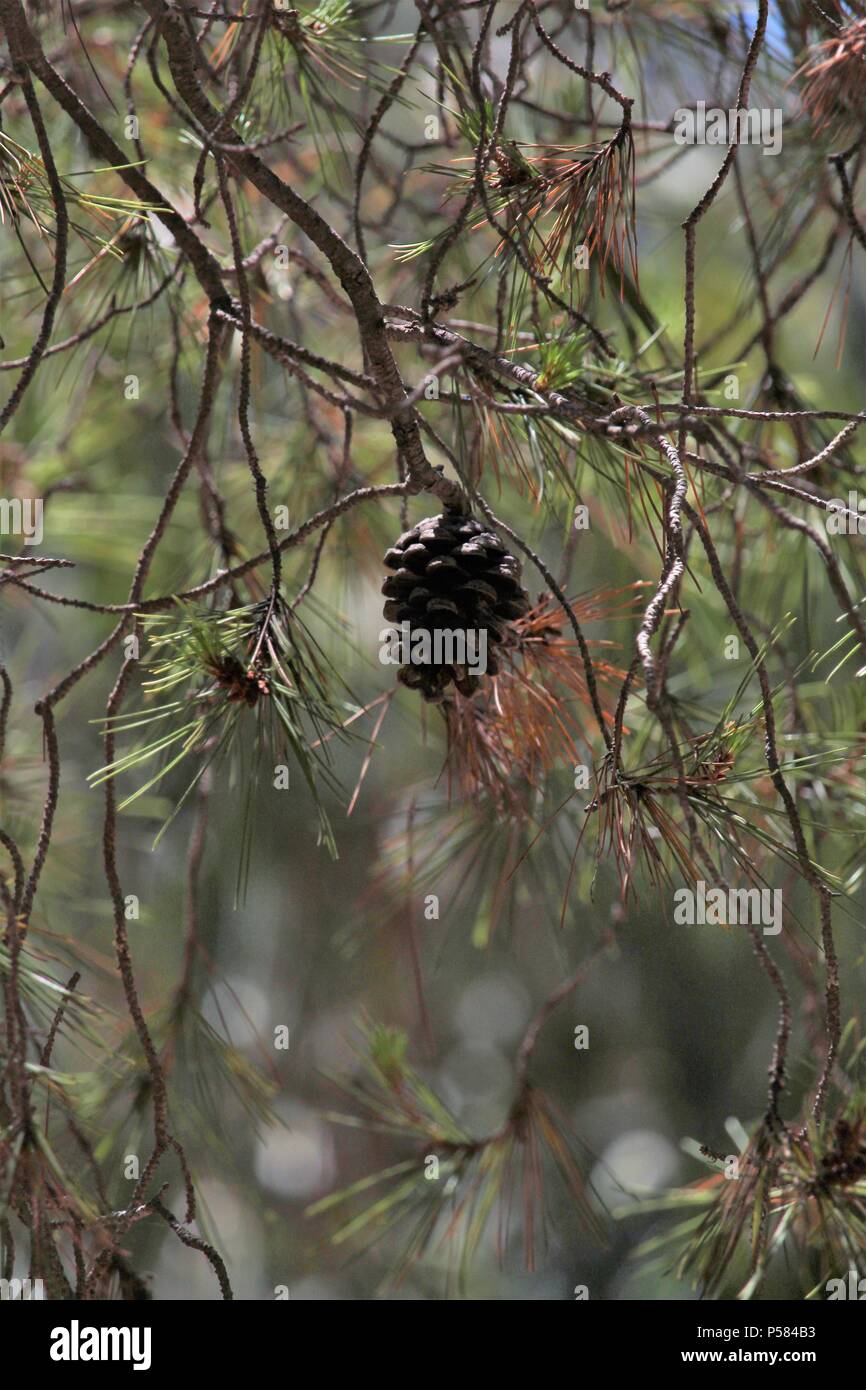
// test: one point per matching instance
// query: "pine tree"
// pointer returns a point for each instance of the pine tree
(400, 961)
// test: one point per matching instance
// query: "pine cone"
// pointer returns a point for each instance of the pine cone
(452, 574)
